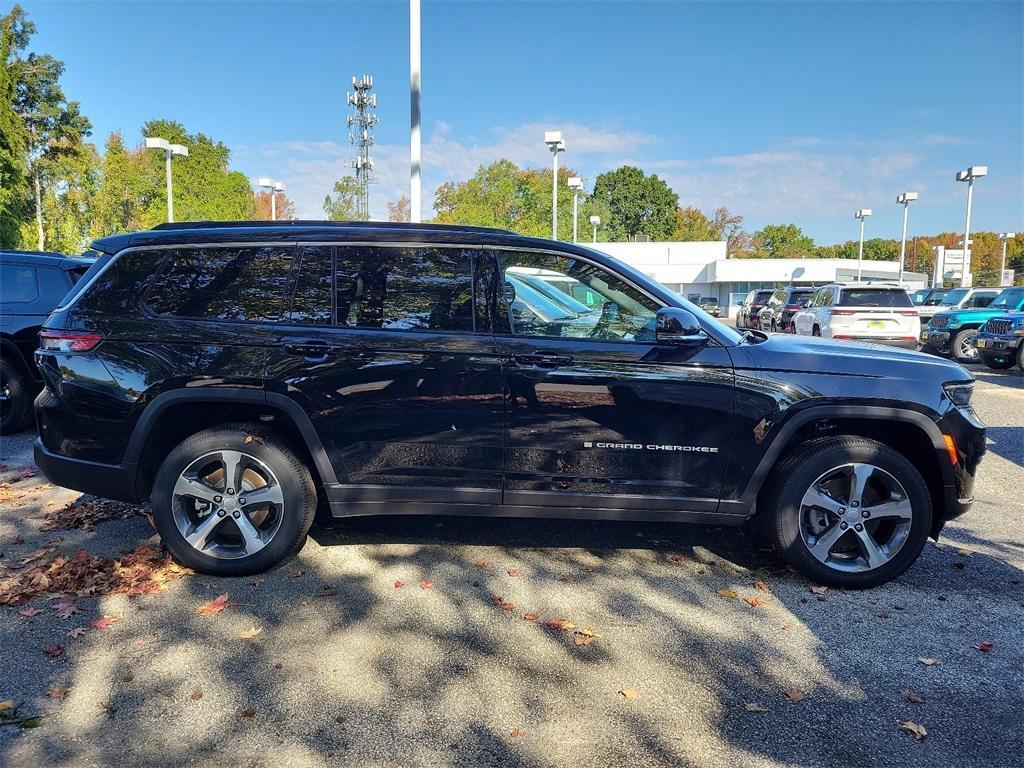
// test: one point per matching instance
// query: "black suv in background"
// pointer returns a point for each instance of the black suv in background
(32, 283)
(238, 374)
(747, 314)
(777, 314)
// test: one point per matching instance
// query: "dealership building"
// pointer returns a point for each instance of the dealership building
(695, 270)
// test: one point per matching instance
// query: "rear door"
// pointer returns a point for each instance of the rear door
(385, 350)
(874, 312)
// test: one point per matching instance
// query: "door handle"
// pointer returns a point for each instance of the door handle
(312, 350)
(541, 360)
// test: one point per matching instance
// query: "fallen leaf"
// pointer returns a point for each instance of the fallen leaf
(127, 678)
(28, 613)
(65, 609)
(928, 662)
(254, 439)
(817, 589)
(587, 569)
(250, 633)
(915, 728)
(197, 694)
(913, 698)
(426, 584)
(512, 572)
(754, 601)
(105, 622)
(78, 631)
(482, 564)
(299, 574)
(215, 606)
(760, 586)
(793, 694)
(984, 646)
(249, 712)
(517, 733)
(560, 624)
(959, 566)
(677, 559)
(327, 590)
(53, 652)
(728, 594)
(629, 693)
(278, 665)
(59, 693)
(6, 705)
(531, 616)
(502, 603)
(565, 577)
(754, 707)
(399, 583)
(882, 614)
(26, 473)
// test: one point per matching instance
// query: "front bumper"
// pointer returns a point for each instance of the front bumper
(937, 340)
(997, 346)
(968, 432)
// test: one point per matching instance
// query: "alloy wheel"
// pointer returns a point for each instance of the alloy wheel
(228, 504)
(855, 517)
(967, 350)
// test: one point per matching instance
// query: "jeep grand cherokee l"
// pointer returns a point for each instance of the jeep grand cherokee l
(238, 374)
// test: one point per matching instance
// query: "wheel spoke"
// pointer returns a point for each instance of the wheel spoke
(816, 497)
(253, 542)
(899, 508)
(186, 486)
(824, 543)
(268, 494)
(872, 552)
(200, 534)
(232, 461)
(859, 476)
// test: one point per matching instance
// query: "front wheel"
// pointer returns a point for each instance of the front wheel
(962, 347)
(848, 512)
(997, 363)
(233, 500)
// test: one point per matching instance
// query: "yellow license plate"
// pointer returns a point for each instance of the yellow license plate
(876, 323)
(981, 343)
(924, 335)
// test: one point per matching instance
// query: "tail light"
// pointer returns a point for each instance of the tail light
(907, 312)
(69, 341)
(793, 307)
(843, 312)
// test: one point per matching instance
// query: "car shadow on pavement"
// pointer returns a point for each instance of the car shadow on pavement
(1007, 442)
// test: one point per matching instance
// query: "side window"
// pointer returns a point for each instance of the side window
(53, 284)
(562, 297)
(18, 284)
(211, 283)
(404, 288)
(981, 300)
(314, 287)
(824, 297)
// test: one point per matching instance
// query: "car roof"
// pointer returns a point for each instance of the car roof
(45, 258)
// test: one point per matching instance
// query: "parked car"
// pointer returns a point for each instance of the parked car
(747, 314)
(777, 314)
(32, 283)
(710, 305)
(953, 331)
(1000, 341)
(881, 314)
(943, 299)
(238, 374)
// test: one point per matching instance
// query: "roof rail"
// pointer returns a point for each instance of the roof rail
(321, 224)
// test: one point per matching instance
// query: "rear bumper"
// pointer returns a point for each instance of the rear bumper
(111, 481)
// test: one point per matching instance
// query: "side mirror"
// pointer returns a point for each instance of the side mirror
(677, 326)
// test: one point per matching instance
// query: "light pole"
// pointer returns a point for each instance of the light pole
(905, 200)
(1004, 236)
(414, 112)
(595, 222)
(862, 214)
(972, 173)
(554, 141)
(576, 185)
(154, 142)
(273, 187)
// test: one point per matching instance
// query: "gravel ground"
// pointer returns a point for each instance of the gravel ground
(376, 675)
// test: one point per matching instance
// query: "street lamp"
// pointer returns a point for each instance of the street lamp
(576, 185)
(273, 187)
(415, 150)
(862, 214)
(595, 222)
(1004, 236)
(972, 173)
(554, 141)
(169, 149)
(905, 200)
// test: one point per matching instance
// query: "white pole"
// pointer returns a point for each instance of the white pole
(903, 242)
(1002, 263)
(575, 205)
(415, 214)
(273, 205)
(595, 234)
(170, 194)
(967, 235)
(860, 251)
(554, 194)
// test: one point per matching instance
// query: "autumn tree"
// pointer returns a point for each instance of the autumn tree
(283, 205)
(399, 210)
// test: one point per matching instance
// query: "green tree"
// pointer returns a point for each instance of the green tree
(782, 241)
(13, 136)
(344, 205)
(638, 204)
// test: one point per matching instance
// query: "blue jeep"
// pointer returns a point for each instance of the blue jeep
(1000, 342)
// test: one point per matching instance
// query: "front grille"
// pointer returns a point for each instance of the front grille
(999, 327)
(940, 321)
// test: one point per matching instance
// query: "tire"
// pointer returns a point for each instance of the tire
(775, 327)
(15, 407)
(998, 363)
(1020, 355)
(787, 519)
(224, 551)
(816, 331)
(960, 343)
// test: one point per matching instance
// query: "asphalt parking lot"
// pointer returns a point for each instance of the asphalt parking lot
(412, 641)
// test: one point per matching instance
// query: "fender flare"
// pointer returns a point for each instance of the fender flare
(285, 405)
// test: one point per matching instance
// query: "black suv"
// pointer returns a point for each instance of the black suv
(32, 283)
(238, 374)
(777, 315)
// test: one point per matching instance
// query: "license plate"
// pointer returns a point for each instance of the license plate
(924, 335)
(876, 323)
(981, 343)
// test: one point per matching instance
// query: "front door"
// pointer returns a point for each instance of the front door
(385, 350)
(599, 415)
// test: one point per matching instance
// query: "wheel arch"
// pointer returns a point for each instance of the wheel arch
(11, 354)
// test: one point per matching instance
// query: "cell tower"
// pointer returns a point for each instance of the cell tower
(360, 134)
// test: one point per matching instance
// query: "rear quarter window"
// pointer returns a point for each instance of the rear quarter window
(873, 297)
(18, 284)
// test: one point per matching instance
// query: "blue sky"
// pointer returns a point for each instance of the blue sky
(784, 112)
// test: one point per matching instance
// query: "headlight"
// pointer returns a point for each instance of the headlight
(960, 393)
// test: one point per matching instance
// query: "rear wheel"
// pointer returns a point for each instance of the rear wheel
(816, 331)
(962, 347)
(233, 500)
(15, 401)
(848, 512)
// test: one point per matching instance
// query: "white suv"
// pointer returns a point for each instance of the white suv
(883, 314)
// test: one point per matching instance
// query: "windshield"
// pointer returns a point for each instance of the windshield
(873, 297)
(938, 296)
(1010, 299)
(707, 300)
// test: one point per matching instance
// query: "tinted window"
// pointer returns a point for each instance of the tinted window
(1012, 298)
(17, 284)
(250, 284)
(53, 284)
(404, 288)
(981, 299)
(873, 297)
(937, 297)
(312, 304)
(614, 310)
